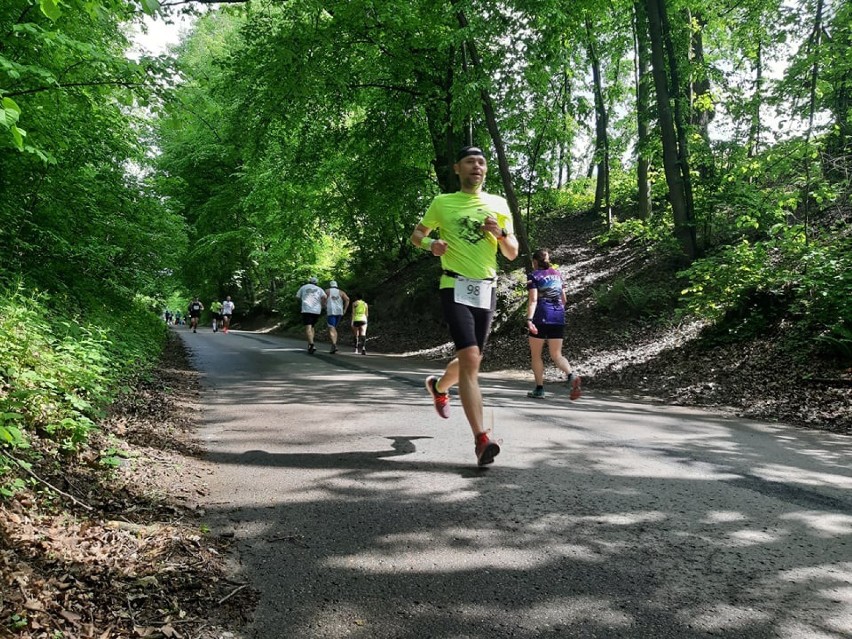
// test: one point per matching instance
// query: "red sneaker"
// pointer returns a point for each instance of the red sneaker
(486, 449)
(575, 382)
(441, 400)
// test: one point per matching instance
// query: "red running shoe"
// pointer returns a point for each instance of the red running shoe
(441, 400)
(575, 381)
(486, 449)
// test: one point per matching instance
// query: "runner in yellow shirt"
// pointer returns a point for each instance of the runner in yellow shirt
(360, 313)
(473, 225)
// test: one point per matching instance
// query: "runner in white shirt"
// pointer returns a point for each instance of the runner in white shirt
(227, 311)
(312, 298)
(336, 305)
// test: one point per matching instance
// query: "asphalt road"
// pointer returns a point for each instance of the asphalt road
(358, 512)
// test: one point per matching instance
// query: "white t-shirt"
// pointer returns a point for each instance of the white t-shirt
(334, 306)
(312, 297)
(227, 308)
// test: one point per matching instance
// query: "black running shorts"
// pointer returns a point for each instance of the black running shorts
(469, 326)
(549, 331)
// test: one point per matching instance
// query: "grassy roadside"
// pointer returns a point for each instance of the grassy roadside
(120, 550)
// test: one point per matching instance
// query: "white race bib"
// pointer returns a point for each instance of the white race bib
(475, 293)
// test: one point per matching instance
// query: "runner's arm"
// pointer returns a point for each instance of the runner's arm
(420, 238)
(532, 304)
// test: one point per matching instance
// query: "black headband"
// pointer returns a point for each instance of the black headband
(468, 150)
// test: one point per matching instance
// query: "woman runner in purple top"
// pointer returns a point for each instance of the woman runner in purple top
(546, 321)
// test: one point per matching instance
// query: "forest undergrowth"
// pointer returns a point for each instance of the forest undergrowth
(89, 552)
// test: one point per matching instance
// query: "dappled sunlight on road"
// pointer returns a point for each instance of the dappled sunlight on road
(723, 617)
(723, 517)
(751, 537)
(363, 514)
(823, 524)
(805, 477)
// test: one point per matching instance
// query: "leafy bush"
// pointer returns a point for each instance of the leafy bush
(725, 279)
(651, 233)
(824, 295)
(622, 297)
(59, 372)
(50, 380)
(575, 197)
(811, 279)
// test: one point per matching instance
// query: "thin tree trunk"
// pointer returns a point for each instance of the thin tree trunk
(702, 113)
(445, 139)
(680, 102)
(537, 152)
(564, 165)
(601, 124)
(500, 148)
(813, 49)
(756, 102)
(643, 109)
(673, 162)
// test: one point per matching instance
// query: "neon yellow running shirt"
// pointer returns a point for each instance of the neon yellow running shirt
(458, 218)
(359, 311)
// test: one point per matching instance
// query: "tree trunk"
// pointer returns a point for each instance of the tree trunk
(814, 43)
(601, 124)
(445, 139)
(563, 163)
(756, 102)
(681, 103)
(838, 146)
(674, 163)
(643, 110)
(702, 110)
(500, 148)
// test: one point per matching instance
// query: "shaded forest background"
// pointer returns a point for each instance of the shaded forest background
(281, 140)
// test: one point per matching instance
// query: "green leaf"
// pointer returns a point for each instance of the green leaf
(18, 137)
(50, 8)
(150, 6)
(11, 112)
(12, 435)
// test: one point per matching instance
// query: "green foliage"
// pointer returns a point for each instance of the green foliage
(824, 295)
(9, 117)
(577, 196)
(809, 280)
(59, 371)
(112, 457)
(650, 232)
(52, 380)
(626, 299)
(726, 279)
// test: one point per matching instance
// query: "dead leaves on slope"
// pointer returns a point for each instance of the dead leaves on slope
(140, 564)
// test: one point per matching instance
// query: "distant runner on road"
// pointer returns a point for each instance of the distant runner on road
(195, 308)
(336, 305)
(227, 311)
(216, 311)
(546, 322)
(473, 225)
(360, 317)
(312, 298)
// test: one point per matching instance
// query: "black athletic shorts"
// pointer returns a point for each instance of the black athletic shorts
(549, 331)
(469, 326)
